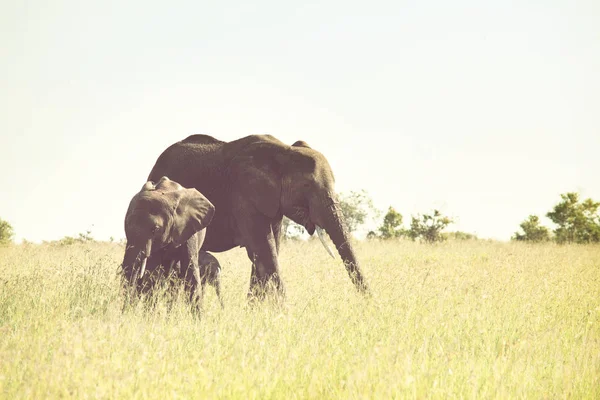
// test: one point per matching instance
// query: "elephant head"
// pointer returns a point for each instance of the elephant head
(297, 181)
(162, 216)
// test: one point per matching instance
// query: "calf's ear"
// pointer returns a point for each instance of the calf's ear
(192, 213)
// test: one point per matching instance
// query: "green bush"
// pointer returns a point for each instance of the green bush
(6, 232)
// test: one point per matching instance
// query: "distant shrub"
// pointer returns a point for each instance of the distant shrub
(429, 227)
(6, 232)
(458, 235)
(81, 238)
(532, 231)
(391, 227)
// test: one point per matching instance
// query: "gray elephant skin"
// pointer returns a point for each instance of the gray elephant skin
(166, 225)
(253, 182)
(210, 272)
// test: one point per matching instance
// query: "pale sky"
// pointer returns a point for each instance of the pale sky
(484, 110)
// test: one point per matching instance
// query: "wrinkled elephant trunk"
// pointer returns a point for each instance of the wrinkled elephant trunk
(135, 260)
(129, 261)
(333, 223)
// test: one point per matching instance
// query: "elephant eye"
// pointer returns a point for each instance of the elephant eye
(155, 229)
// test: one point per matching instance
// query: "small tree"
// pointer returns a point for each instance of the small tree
(577, 222)
(392, 225)
(429, 227)
(357, 207)
(6, 232)
(290, 229)
(532, 231)
(85, 237)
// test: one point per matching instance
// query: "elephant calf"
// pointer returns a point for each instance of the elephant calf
(210, 272)
(166, 224)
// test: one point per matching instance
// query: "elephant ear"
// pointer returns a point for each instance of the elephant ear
(296, 159)
(259, 172)
(257, 177)
(192, 213)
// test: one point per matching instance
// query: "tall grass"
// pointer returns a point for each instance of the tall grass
(456, 320)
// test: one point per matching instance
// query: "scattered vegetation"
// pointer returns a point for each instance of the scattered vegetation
(81, 238)
(459, 235)
(576, 222)
(426, 227)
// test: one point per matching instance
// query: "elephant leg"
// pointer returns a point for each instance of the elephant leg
(261, 248)
(276, 227)
(169, 268)
(191, 273)
(217, 284)
(193, 284)
(253, 273)
(170, 276)
(259, 279)
(204, 275)
(204, 271)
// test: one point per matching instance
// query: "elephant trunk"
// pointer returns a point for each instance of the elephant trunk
(129, 260)
(333, 223)
(135, 260)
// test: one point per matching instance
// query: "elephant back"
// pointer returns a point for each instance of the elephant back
(201, 139)
(195, 162)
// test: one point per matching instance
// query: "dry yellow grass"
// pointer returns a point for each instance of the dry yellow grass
(458, 320)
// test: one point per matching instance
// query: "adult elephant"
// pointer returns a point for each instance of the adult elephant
(253, 182)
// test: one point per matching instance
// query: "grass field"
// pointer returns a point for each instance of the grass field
(470, 319)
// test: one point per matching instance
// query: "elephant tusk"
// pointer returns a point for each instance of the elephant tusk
(171, 264)
(320, 234)
(143, 269)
